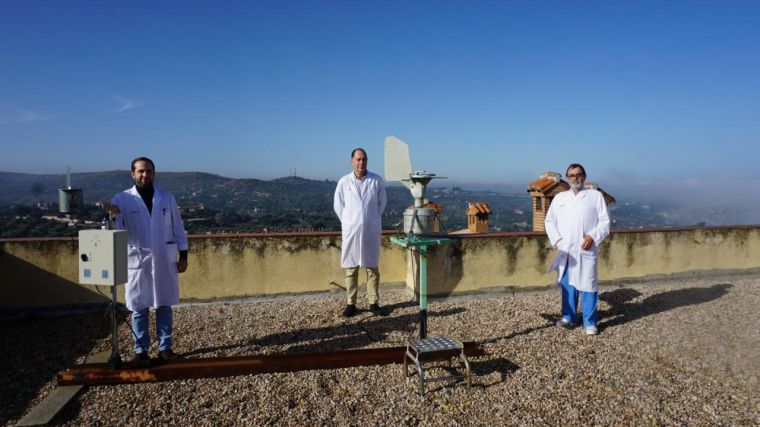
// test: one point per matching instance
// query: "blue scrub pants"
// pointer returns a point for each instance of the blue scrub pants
(589, 301)
(163, 329)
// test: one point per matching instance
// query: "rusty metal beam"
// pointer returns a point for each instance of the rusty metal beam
(101, 374)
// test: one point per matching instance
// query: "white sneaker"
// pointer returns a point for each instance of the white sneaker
(591, 330)
(565, 323)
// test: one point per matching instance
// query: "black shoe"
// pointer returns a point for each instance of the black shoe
(140, 359)
(375, 309)
(349, 311)
(167, 355)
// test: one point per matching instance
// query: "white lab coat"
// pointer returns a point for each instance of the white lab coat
(360, 204)
(571, 217)
(153, 247)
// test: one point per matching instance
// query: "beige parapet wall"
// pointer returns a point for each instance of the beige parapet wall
(519, 261)
(44, 272)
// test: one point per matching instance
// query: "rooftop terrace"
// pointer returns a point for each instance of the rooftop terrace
(679, 334)
(683, 351)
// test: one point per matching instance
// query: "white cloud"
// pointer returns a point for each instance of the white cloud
(125, 104)
(14, 114)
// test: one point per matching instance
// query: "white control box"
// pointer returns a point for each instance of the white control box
(103, 257)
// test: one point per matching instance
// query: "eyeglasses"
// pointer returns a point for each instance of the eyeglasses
(576, 176)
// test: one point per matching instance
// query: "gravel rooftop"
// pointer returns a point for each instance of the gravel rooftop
(676, 351)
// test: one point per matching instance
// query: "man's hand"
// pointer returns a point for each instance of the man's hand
(587, 242)
(182, 265)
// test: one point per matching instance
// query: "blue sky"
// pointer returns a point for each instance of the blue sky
(640, 92)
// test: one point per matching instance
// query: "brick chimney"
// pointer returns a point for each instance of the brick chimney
(543, 190)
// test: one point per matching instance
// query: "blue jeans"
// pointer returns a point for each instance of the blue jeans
(163, 329)
(589, 301)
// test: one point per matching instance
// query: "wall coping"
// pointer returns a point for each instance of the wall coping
(395, 232)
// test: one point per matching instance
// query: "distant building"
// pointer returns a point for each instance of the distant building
(543, 190)
(186, 209)
(477, 217)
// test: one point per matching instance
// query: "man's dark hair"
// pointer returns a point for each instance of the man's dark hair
(576, 165)
(358, 149)
(143, 159)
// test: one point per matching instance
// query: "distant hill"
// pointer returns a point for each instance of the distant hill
(215, 203)
(257, 198)
(25, 188)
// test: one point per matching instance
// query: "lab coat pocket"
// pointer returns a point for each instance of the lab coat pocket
(590, 254)
(588, 271)
(172, 253)
(134, 257)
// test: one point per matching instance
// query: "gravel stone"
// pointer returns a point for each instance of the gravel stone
(669, 352)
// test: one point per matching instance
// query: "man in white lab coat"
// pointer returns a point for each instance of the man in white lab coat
(157, 252)
(576, 223)
(359, 203)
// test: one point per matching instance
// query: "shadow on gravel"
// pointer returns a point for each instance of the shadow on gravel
(36, 347)
(499, 365)
(357, 332)
(550, 318)
(622, 311)
(479, 369)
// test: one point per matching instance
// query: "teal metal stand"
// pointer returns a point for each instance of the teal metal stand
(422, 243)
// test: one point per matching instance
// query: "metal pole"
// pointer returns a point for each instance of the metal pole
(423, 291)
(114, 362)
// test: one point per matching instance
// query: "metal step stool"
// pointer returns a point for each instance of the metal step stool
(416, 349)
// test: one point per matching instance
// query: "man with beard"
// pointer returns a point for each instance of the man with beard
(576, 223)
(157, 252)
